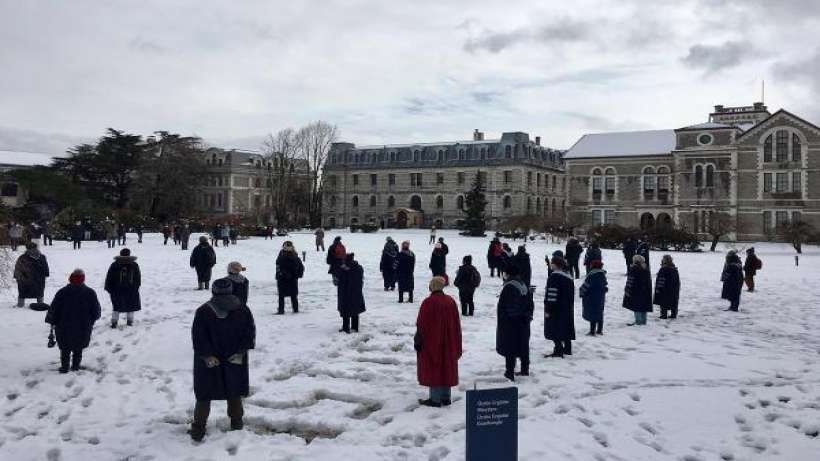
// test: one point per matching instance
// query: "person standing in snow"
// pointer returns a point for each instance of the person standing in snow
(750, 268)
(467, 280)
(350, 297)
(110, 233)
(593, 253)
(494, 256)
(514, 315)
(438, 345)
(77, 233)
(15, 235)
(47, 237)
(522, 261)
(30, 271)
(72, 313)
(593, 293)
(444, 249)
(123, 285)
(732, 278)
(289, 269)
(667, 287)
(643, 250)
(572, 252)
(405, 266)
(387, 264)
(559, 314)
(432, 235)
(185, 236)
(319, 233)
(166, 233)
(437, 262)
(335, 257)
(203, 259)
(139, 230)
(234, 234)
(222, 334)
(629, 250)
(226, 235)
(638, 290)
(121, 234)
(216, 235)
(241, 285)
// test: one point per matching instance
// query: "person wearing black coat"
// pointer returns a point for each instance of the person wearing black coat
(638, 290)
(514, 315)
(572, 253)
(750, 268)
(203, 259)
(166, 232)
(667, 288)
(241, 285)
(185, 236)
(593, 294)
(121, 234)
(289, 269)
(438, 262)
(387, 265)
(732, 278)
(350, 297)
(629, 250)
(222, 334)
(643, 250)
(559, 309)
(31, 271)
(405, 265)
(123, 285)
(521, 260)
(467, 280)
(494, 256)
(336, 253)
(593, 253)
(77, 233)
(72, 314)
(47, 237)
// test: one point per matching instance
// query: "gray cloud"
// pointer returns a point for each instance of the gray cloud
(714, 58)
(36, 141)
(802, 72)
(560, 31)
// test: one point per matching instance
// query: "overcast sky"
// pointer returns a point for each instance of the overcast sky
(394, 71)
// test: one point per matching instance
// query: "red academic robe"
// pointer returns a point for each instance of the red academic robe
(440, 327)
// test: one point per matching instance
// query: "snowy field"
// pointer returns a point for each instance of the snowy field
(710, 385)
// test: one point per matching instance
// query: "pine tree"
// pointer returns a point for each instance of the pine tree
(475, 205)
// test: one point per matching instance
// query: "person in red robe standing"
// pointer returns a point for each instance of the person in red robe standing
(438, 344)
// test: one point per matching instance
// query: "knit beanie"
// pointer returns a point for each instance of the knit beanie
(125, 252)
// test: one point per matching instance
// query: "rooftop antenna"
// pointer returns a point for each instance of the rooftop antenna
(763, 91)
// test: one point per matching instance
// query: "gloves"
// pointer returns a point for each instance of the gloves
(211, 361)
(237, 358)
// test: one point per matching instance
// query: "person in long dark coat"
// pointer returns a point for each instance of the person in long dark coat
(77, 234)
(643, 251)
(667, 287)
(522, 261)
(630, 248)
(203, 259)
(31, 271)
(222, 333)
(405, 265)
(732, 278)
(121, 233)
(289, 269)
(48, 240)
(506, 259)
(72, 313)
(593, 253)
(750, 268)
(350, 296)
(514, 315)
(185, 236)
(572, 253)
(166, 232)
(494, 256)
(467, 280)
(241, 285)
(438, 264)
(123, 285)
(593, 293)
(559, 309)
(638, 290)
(439, 331)
(387, 265)
(336, 253)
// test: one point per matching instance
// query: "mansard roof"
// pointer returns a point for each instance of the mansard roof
(623, 144)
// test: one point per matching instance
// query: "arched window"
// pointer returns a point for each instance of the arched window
(415, 155)
(597, 182)
(355, 201)
(609, 181)
(553, 207)
(529, 205)
(508, 151)
(460, 202)
(332, 200)
(391, 201)
(538, 205)
(507, 202)
(415, 202)
(781, 146)
(372, 201)
(439, 202)
(710, 176)
(649, 180)
(663, 179)
(796, 148)
(698, 176)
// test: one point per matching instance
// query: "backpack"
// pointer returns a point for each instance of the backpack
(475, 278)
(758, 264)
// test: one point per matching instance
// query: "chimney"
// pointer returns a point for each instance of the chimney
(719, 108)
(477, 135)
(538, 140)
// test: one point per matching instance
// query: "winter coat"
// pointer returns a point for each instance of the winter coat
(573, 251)
(388, 262)
(123, 284)
(592, 254)
(73, 312)
(31, 271)
(751, 265)
(241, 287)
(320, 236)
(438, 264)
(439, 326)
(405, 265)
(643, 250)
(16, 231)
(522, 262)
(221, 338)
(289, 269)
(732, 278)
(629, 250)
(638, 289)
(77, 233)
(494, 255)
(667, 287)
(203, 256)
(559, 307)
(467, 279)
(185, 233)
(335, 256)
(593, 294)
(110, 230)
(350, 296)
(514, 314)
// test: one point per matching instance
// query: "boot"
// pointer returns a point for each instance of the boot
(237, 424)
(200, 286)
(207, 285)
(113, 324)
(21, 302)
(64, 358)
(410, 297)
(76, 358)
(568, 347)
(429, 403)
(129, 322)
(401, 296)
(197, 432)
(295, 305)
(674, 314)
(509, 375)
(599, 330)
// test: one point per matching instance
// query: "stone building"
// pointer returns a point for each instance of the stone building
(760, 169)
(12, 194)
(421, 185)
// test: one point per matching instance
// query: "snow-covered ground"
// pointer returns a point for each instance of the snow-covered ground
(710, 385)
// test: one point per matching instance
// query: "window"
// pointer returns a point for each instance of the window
(796, 217)
(781, 145)
(440, 155)
(439, 202)
(538, 180)
(767, 182)
(415, 179)
(332, 200)
(609, 180)
(415, 202)
(796, 148)
(529, 205)
(663, 179)
(767, 222)
(609, 217)
(797, 182)
(705, 139)
(9, 190)
(767, 149)
(508, 151)
(415, 156)
(781, 182)
(554, 182)
(507, 202)
(372, 201)
(439, 178)
(597, 218)
(781, 218)
(331, 182)
(461, 155)
(355, 201)
(391, 201)
(355, 180)
(374, 179)
(460, 202)
(710, 176)
(649, 180)
(529, 178)
(460, 178)
(597, 181)
(698, 176)
(507, 176)
(391, 179)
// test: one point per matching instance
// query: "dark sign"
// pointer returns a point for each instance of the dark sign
(492, 424)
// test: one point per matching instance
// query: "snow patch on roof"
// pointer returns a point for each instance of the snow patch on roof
(9, 157)
(623, 144)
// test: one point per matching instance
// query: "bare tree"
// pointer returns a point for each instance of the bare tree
(719, 224)
(282, 150)
(797, 233)
(314, 142)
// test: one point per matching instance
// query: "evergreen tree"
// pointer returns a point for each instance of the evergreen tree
(475, 203)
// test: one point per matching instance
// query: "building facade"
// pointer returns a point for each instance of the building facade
(761, 169)
(12, 194)
(423, 185)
